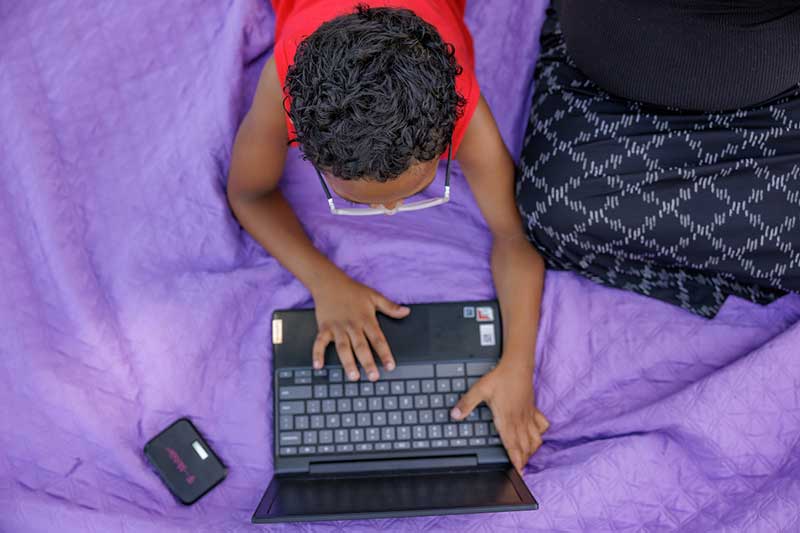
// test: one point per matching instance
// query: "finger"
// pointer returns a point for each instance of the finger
(363, 353)
(541, 421)
(468, 402)
(346, 354)
(322, 341)
(381, 347)
(388, 307)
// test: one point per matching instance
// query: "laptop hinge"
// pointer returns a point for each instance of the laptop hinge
(396, 465)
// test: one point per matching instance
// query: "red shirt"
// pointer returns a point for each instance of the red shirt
(297, 19)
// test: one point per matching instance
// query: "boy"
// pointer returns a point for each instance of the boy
(375, 94)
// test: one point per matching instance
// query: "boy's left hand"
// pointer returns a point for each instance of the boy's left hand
(509, 393)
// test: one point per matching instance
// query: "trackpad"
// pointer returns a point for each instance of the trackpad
(338, 497)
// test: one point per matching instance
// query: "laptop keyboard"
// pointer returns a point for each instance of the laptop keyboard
(319, 412)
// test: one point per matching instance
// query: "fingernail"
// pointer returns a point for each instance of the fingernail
(390, 365)
(353, 375)
(456, 412)
(317, 365)
(373, 376)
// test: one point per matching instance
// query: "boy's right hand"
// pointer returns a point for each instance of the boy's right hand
(346, 315)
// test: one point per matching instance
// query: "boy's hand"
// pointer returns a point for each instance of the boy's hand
(346, 316)
(509, 394)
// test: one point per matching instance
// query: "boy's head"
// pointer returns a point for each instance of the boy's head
(374, 103)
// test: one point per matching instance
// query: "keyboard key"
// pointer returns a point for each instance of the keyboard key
(458, 442)
(450, 430)
(325, 436)
(333, 421)
(344, 448)
(421, 402)
(305, 373)
(382, 388)
(359, 404)
(335, 374)
(406, 402)
(328, 406)
(398, 387)
(390, 402)
(471, 382)
(442, 385)
(493, 440)
(317, 421)
(387, 433)
(459, 385)
(419, 432)
(472, 416)
(344, 405)
(373, 434)
(464, 430)
(435, 432)
(286, 423)
(477, 441)
(441, 415)
(421, 444)
(408, 372)
(492, 430)
(292, 408)
(426, 416)
(379, 419)
(450, 370)
(312, 407)
(351, 389)
(288, 450)
(478, 369)
(326, 449)
(321, 373)
(450, 400)
(285, 374)
(395, 418)
(364, 447)
(481, 429)
(356, 435)
(367, 389)
(320, 391)
(412, 386)
(309, 437)
(403, 433)
(439, 443)
(437, 400)
(301, 422)
(364, 420)
(348, 420)
(428, 386)
(409, 417)
(383, 446)
(289, 438)
(335, 391)
(308, 450)
(341, 436)
(376, 404)
(302, 381)
(401, 445)
(486, 413)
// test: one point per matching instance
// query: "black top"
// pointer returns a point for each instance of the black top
(693, 54)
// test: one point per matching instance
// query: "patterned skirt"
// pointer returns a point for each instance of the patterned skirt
(683, 206)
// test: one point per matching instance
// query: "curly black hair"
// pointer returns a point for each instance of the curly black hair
(373, 92)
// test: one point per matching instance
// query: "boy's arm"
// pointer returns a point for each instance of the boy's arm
(518, 273)
(345, 308)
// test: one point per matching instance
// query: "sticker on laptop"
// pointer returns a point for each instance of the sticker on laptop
(487, 334)
(484, 314)
(469, 312)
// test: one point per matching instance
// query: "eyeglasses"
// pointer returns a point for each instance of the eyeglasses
(414, 206)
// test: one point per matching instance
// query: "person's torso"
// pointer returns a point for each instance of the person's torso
(692, 54)
(297, 19)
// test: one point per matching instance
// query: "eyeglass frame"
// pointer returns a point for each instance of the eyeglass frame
(415, 206)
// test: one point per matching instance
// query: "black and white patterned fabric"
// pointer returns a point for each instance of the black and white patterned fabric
(687, 207)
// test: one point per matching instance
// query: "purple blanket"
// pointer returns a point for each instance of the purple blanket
(129, 296)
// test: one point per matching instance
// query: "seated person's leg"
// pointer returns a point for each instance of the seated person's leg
(685, 207)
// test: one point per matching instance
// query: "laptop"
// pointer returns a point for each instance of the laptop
(362, 450)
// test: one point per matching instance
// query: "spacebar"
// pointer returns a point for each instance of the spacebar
(408, 372)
